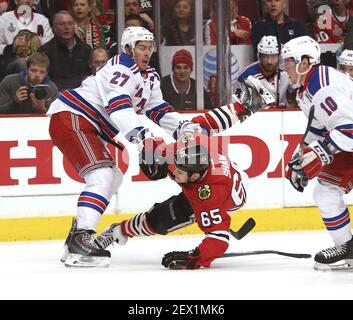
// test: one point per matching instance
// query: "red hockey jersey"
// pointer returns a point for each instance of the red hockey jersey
(328, 28)
(221, 191)
(240, 23)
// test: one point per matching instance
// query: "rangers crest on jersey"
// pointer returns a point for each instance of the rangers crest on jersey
(205, 192)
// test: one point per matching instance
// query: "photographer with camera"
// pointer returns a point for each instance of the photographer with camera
(30, 91)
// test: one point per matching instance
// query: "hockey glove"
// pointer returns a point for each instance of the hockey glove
(314, 157)
(253, 96)
(297, 181)
(177, 260)
(152, 164)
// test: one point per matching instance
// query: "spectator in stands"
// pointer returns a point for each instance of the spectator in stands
(266, 70)
(97, 58)
(99, 11)
(133, 20)
(179, 29)
(134, 7)
(50, 7)
(3, 6)
(345, 62)
(240, 28)
(317, 7)
(331, 26)
(11, 23)
(348, 41)
(276, 23)
(67, 53)
(132, 10)
(18, 92)
(15, 55)
(87, 28)
(178, 88)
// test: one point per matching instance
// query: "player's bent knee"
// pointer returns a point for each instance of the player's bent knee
(117, 178)
(108, 178)
(169, 215)
(329, 198)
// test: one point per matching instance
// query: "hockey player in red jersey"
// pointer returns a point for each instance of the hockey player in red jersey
(328, 150)
(212, 187)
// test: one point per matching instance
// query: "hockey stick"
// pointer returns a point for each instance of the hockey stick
(310, 120)
(258, 252)
(278, 36)
(244, 229)
(304, 179)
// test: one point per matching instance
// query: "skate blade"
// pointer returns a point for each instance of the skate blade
(345, 265)
(79, 261)
(65, 254)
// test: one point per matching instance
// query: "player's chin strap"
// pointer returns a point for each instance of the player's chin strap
(301, 74)
(130, 52)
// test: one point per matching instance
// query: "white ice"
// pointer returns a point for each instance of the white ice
(31, 270)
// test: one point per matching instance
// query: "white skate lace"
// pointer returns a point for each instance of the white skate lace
(334, 251)
(105, 239)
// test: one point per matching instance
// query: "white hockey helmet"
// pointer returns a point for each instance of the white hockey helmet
(346, 58)
(131, 35)
(268, 45)
(302, 46)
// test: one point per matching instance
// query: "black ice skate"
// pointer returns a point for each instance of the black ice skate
(85, 252)
(69, 236)
(339, 257)
(110, 235)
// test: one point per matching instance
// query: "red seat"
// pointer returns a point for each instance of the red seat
(249, 9)
(298, 9)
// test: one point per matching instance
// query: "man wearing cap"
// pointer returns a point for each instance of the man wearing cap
(178, 88)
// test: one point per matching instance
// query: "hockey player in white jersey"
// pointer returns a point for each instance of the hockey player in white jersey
(328, 153)
(266, 70)
(345, 62)
(83, 119)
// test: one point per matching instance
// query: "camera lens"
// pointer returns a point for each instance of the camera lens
(41, 93)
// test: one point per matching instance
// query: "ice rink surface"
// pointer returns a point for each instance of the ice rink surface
(31, 270)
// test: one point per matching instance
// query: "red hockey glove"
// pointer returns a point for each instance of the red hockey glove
(177, 260)
(315, 156)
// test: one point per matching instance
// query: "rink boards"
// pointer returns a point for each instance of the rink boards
(39, 189)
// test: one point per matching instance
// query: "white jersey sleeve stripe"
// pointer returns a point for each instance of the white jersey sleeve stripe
(119, 103)
(157, 113)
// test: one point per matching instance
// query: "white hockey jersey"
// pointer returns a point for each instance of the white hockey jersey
(254, 69)
(11, 24)
(331, 93)
(112, 98)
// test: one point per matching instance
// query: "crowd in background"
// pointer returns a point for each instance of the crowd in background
(60, 42)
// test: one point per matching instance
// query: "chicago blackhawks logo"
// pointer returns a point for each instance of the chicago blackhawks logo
(204, 192)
